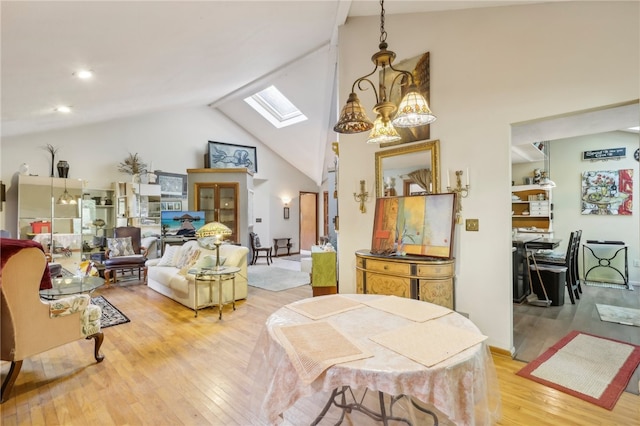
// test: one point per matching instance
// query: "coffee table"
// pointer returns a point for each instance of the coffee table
(67, 286)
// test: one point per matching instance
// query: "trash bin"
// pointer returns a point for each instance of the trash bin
(554, 279)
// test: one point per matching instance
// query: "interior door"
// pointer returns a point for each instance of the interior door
(308, 219)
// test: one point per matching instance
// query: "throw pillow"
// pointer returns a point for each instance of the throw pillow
(120, 247)
(192, 259)
(170, 256)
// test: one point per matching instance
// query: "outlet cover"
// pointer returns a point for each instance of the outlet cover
(472, 224)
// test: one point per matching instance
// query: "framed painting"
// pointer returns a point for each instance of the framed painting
(172, 184)
(419, 68)
(229, 156)
(420, 225)
(184, 223)
(607, 192)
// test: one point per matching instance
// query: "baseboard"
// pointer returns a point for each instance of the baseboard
(499, 351)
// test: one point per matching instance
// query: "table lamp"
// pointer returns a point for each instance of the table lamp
(217, 230)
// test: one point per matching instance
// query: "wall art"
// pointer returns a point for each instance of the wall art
(607, 192)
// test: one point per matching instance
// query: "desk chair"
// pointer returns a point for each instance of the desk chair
(256, 249)
(125, 253)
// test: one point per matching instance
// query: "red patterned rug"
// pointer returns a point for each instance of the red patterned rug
(592, 368)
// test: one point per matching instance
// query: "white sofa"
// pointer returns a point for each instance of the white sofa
(179, 284)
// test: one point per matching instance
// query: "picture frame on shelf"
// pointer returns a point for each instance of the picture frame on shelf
(222, 155)
(172, 206)
(172, 184)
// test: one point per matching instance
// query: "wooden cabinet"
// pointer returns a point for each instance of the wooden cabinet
(223, 196)
(219, 202)
(532, 207)
(416, 277)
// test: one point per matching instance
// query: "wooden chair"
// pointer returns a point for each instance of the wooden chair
(256, 249)
(576, 254)
(30, 325)
(115, 262)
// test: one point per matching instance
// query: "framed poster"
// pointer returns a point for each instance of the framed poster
(420, 225)
(181, 222)
(172, 184)
(229, 156)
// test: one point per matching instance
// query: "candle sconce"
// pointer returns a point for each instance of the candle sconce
(460, 191)
(362, 197)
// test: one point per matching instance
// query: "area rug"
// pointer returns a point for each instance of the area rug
(276, 279)
(618, 314)
(592, 368)
(110, 314)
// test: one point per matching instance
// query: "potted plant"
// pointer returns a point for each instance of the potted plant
(133, 165)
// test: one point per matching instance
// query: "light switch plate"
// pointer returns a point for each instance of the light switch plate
(472, 224)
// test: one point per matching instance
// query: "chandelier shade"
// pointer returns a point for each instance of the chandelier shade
(353, 118)
(66, 198)
(413, 110)
(383, 132)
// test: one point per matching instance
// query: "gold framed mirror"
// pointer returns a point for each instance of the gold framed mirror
(393, 167)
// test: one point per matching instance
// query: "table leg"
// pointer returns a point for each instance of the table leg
(233, 291)
(220, 297)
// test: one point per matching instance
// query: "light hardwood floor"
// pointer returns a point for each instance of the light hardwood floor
(166, 367)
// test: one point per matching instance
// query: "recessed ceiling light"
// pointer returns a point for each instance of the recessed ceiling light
(84, 74)
(63, 108)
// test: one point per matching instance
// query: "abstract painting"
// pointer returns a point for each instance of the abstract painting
(228, 156)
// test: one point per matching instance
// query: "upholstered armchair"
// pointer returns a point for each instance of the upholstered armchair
(124, 253)
(30, 325)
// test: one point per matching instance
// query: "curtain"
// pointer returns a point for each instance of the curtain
(422, 177)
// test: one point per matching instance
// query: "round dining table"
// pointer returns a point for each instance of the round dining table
(463, 387)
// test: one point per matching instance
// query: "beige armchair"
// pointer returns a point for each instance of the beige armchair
(30, 325)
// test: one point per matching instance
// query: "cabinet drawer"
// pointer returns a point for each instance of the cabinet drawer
(388, 267)
(444, 270)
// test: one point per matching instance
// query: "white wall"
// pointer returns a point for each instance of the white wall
(173, 140)
(489, 68)
(567, 167)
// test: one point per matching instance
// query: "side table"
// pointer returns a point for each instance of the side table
(208, 277)
(276, 246)
(607, 262)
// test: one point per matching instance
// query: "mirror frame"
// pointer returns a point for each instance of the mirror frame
(431, 146)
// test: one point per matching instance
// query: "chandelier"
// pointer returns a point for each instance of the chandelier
(413, 110)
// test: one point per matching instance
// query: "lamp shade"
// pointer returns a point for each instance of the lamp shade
(383, 132)
(413, 110)
(213, 229)
(353, 118)
(66, 198)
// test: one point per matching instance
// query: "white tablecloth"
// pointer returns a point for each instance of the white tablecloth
(69, 241)
(463, 387)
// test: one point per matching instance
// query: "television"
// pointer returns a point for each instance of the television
(181, 223)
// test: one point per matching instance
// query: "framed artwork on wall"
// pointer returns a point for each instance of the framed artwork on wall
(419, 225)
(172, 184)
(229, 156)
(607, 192)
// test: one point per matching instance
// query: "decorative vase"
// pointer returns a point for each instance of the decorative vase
(63, 169)
(24, 169)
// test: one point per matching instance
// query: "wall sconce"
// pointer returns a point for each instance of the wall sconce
(286, 201)
(460, 191)
(362, 197)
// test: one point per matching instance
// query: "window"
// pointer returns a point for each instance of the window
(275, 107)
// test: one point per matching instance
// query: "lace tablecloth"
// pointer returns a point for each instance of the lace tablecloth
(464, 386)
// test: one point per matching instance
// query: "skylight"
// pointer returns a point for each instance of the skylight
(275, 107)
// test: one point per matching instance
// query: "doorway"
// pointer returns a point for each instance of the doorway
(308, 220)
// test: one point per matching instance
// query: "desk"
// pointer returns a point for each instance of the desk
(209, 276)
(606, 262)
(542, 244)
(463, 387)
(283, 245)
(68, 286)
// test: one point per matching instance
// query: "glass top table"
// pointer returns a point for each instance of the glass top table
(67, 286)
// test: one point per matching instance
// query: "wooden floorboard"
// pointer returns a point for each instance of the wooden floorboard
(167, 367)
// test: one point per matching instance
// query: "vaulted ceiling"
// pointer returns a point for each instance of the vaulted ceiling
(156, 55)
